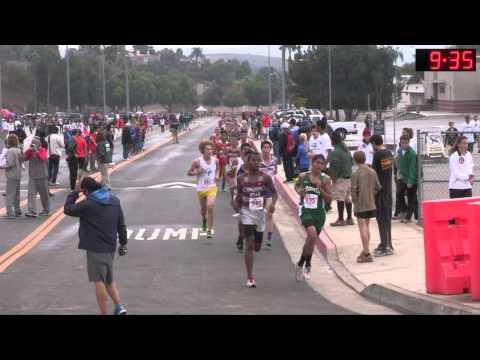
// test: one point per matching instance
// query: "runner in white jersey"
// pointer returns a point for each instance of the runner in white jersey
(206, 169)
(268, 165)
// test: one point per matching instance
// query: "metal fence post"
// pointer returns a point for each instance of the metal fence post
(420, 176)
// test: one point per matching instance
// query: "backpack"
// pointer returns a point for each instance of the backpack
(70, 148)
(291, 144)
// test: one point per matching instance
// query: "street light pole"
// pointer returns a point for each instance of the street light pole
(127, 88)
(103, 81)
(330, 80)
(69, 105)
(395, 101)
(284, 104)
(269, 82)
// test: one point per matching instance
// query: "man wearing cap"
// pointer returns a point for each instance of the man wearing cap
(287, 157)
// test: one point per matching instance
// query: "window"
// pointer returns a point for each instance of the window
(442, 88)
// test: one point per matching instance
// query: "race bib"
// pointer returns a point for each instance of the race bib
(256, 203)
(310, 201)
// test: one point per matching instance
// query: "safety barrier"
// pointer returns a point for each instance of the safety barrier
(450, 238)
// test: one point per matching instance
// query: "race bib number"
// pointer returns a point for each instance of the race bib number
(256, 203)
(310, 201)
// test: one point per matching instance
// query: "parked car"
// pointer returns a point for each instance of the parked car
(344, 127)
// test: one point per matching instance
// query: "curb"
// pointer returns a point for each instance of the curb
(389, 295)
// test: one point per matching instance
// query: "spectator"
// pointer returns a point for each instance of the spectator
(36, 156)
(407, 174)
(365, 186)
(81, 152)
(477, 127)
(104, 157)
(266, 122)
(101, 221)
(91, 141)
(55, 146)
(451, 134)
(468, 130)
(127, 139)
(366, 147)
(22, 135)
(340, 161)
(320, 143)
(461, 170)
(71, 157)
(13, 173)
(275, 138)
(287, 147)
(383, 165)
(301, 157)
(253, 126)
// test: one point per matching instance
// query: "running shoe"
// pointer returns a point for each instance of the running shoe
(235, 215)
(209, 235)
(251, 283)
(268, 245)
(204, 225)
(120, 310)
(306, 273)
(31, 214)
(44, 213)
(298, 272)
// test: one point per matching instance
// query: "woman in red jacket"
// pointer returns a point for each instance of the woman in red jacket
(81, 153)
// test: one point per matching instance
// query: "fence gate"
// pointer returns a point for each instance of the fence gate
(433, 165)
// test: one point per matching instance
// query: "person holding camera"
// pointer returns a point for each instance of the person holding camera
(37, 157)
(101, 220)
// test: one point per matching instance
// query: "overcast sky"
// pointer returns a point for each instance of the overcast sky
(407, 50)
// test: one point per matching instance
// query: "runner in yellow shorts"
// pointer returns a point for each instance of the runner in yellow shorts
(207, 171)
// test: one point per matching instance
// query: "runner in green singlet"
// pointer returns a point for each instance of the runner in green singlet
(314, 189)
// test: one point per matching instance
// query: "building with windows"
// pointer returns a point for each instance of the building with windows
(453, 91)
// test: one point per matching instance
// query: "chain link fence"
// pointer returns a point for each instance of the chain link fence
(433, 165)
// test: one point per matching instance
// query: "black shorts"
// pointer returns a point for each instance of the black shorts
(366, 214)
(251, 230)
(460, 193)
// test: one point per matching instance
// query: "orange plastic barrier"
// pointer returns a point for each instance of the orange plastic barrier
(448, 230)
(474, 218)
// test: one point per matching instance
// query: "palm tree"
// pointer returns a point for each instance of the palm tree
(197, 53)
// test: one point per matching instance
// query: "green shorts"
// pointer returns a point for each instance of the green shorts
(317, 220)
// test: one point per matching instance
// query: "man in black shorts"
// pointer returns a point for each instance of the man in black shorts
(252, 189)
(101, 219)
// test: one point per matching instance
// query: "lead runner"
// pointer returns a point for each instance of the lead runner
(206, 169)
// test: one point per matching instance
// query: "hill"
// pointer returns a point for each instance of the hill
(256, 61)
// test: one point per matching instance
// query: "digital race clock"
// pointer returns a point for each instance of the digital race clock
(445, 60)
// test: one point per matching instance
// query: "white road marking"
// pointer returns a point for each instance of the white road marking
(155, 234)
(195, 232)
(176, 185)
(182, 232)
(140, 234)
(129, 233)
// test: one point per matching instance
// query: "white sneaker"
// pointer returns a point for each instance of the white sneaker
(298, 272)
(306, 273)
(236, 215)
(251, 283)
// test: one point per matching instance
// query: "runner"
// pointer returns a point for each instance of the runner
(174, 127)
(314, 188)
(206, 168)
(253, 187)
(268, 165)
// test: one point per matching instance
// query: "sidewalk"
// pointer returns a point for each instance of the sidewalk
(397, 281)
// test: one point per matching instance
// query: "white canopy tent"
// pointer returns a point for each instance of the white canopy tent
(201, 109)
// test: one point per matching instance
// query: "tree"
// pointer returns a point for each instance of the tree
(256, 90)
(212, 97)
(409, 69)
(356, 70)
(234, 98)
(197, 53)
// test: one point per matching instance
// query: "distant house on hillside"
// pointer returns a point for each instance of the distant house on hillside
(453, 91)
(413, 95)
(139, 58)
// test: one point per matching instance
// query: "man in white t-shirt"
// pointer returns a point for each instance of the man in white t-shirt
(468, 129)
(324, 142)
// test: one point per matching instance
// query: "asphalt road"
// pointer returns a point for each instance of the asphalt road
(171, 267)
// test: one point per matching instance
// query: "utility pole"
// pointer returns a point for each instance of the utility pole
(269, 82)
(368, 102)
(284, 103)
(330, 80)
(127, 88)
(395, 101)
(103, 81)
(69, 104)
